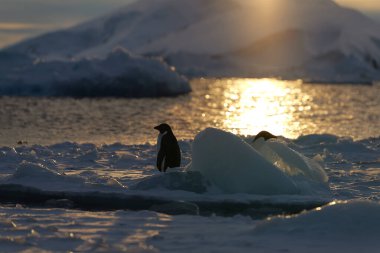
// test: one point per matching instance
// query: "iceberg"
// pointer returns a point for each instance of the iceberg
(290, 161)
(119, 74)
(236, 167)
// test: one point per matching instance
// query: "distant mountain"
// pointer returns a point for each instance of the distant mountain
(315, 40)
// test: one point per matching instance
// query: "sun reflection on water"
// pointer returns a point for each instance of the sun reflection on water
(252, 105)
(242, 106)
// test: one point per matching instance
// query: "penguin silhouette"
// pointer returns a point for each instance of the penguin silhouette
(264, 134)
(168, 152)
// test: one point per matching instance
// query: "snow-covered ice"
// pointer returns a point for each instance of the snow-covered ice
(338, 227)
(128, 170)
(102, 179)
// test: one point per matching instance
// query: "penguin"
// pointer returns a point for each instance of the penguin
(264, 134)
(168, 151)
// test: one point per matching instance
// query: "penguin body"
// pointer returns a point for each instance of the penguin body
(168, 151)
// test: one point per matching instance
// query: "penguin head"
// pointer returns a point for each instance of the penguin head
(163, 128)
(264, 134)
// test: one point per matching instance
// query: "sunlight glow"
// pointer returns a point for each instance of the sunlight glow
(23, 26)
(253, 105)
(365, 5)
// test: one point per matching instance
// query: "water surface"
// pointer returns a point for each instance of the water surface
(242, 106)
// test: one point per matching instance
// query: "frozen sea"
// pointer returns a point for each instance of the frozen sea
(83, 177)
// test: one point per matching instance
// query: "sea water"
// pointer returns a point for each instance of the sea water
(241, 106)
(84, 177)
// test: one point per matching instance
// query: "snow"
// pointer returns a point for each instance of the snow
(119, 74)
(122, 172)
(222, 163)
(338, 227)
(317, 41)
(112, 198)
(34, 174)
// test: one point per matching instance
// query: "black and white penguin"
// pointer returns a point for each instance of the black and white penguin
(264, 134)
(168, 152)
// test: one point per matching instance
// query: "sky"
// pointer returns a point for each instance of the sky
(20, 19)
